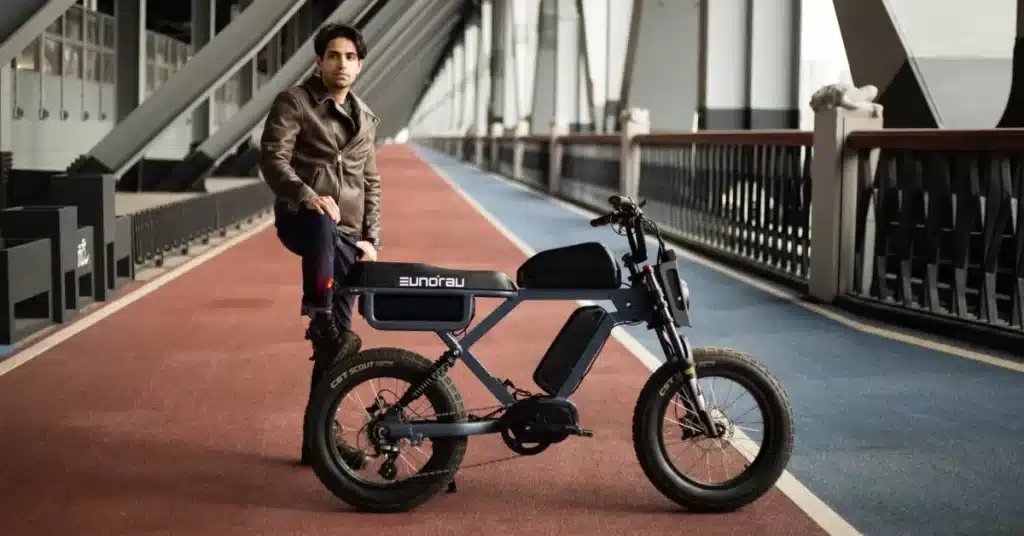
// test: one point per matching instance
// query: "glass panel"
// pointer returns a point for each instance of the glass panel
(57, 27)
(109, 70)
(73, 61)
(161, 50)
(150, 46)
(109, 35)
(28, 60)
(172, 54)
(73, 24)
(150, 78)
(52, 60)
(92, 65)
(92, 28)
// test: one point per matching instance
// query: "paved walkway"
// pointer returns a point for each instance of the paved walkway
(180, 413)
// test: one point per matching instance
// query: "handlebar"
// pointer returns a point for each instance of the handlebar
(623, 208)
(626, 212)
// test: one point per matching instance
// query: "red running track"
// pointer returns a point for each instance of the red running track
(180, 414)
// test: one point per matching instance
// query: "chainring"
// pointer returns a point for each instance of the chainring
(532, 425)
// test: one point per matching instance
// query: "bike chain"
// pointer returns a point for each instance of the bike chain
(468, 413)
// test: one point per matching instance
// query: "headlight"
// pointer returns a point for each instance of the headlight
(686, 293)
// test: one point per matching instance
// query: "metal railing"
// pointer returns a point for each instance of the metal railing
(946, 237)
(939, 238)
(173, 228)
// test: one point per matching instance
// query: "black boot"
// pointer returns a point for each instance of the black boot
(323, 334)
(329, 346)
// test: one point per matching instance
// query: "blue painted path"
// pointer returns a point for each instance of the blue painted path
(895, 438)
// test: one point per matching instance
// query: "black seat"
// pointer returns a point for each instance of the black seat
(394, 275)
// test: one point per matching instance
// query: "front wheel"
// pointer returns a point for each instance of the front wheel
(713, 474)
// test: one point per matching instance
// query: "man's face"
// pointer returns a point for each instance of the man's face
(340, 64)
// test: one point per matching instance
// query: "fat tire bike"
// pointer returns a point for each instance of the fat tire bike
(403, 296)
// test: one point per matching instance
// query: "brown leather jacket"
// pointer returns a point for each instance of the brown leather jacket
(310, 147)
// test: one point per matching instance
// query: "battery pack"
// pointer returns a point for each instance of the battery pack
(555, 368)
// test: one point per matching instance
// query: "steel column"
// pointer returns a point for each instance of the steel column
(23, 20)
(214, 64)
(211, 152)
(203, 29)
(399, 95)
(401, 50)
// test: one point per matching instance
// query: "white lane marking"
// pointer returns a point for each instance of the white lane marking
(38, 348)
(802, 497)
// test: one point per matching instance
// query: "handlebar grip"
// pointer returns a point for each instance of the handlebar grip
(601, 220)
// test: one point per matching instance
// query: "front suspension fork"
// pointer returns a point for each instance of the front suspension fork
(689, 371)
(678, 350)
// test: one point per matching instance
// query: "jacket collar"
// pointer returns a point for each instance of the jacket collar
(318, 90)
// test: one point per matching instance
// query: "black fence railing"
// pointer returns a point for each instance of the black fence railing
(6, 165)
(940, 233)
(751, 203)
(536, 163)
(938, 241)
(589, 174)
(173, 228)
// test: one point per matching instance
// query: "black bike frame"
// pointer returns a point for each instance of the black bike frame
(638, 303)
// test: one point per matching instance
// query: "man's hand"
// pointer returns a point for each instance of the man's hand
(324, 205)
(369, 252)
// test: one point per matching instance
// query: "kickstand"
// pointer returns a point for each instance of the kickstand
(452, 488)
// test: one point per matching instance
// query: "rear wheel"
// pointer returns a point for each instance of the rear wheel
(665, 427)
(370, 383)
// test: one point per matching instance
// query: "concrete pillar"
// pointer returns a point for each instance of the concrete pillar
(567, 62)
(499, 29)
(458, 83)
(834, 189)
(750, 64)
(483, 74)
(774, 44)
(663, 52)
(555, 91)
(555, 152)
(497, 131)
(518, 148)
(589, 110)
(469, 87)
(610, 49)
(634, 121)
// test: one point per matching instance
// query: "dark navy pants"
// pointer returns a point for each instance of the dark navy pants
(327, 255)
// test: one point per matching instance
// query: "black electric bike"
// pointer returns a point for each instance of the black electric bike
(419, 297)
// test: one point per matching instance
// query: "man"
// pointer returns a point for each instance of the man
(319, 159)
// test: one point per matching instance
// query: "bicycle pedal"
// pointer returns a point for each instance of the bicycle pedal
(582, 432)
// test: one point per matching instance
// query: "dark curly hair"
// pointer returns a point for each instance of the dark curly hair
(332, 31)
